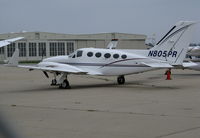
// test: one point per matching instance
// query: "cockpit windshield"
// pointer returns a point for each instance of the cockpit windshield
(78, 53)
(72, 55)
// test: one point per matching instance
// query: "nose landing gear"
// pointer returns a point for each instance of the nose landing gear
(53, 82)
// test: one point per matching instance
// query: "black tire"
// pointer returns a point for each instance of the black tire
(121, 80)
(65, 85)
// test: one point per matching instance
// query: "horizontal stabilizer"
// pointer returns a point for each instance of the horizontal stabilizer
(158, 65)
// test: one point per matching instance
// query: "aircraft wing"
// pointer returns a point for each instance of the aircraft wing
(9, 41)
(50, 66)
(55, 67)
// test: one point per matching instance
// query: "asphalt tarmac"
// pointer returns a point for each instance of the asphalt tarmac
(147, 106)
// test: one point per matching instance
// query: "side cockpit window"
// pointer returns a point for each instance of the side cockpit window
(79, 53)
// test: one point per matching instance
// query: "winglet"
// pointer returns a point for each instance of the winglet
(14, 60)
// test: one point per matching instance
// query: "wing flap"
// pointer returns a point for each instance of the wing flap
(92, 72)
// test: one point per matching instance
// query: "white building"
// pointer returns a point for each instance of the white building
(38, 45)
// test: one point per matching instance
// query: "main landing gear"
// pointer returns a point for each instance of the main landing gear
(121, 80)
(62, 82)
(65, 85)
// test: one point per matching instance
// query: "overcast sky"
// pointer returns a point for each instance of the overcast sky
(97, 16)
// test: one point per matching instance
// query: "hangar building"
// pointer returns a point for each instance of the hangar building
(38, 45)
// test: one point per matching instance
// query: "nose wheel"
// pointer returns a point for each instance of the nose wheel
(53, 82)
(121, 80)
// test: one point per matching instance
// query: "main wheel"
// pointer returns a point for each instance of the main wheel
(121, 80)
(65, 85)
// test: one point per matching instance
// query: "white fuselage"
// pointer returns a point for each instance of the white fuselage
(194, 53)
(105, 61)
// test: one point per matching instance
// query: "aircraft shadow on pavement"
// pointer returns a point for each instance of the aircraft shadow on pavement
(139, 84)
(186, 75)
(128, 85)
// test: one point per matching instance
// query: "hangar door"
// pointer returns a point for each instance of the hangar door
(91, 43)
(81, 44)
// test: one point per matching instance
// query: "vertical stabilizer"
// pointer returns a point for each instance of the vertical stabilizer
(112, 44)
(174, 45)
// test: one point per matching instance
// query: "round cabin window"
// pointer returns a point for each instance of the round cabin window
(124, 56)
(107, 55)
(89, 54)
(116, 56)
(98, 54)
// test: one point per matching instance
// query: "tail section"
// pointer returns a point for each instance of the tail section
(174, 45)
(112, 44)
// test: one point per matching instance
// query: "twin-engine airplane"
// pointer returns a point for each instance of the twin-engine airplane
(169, 52)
